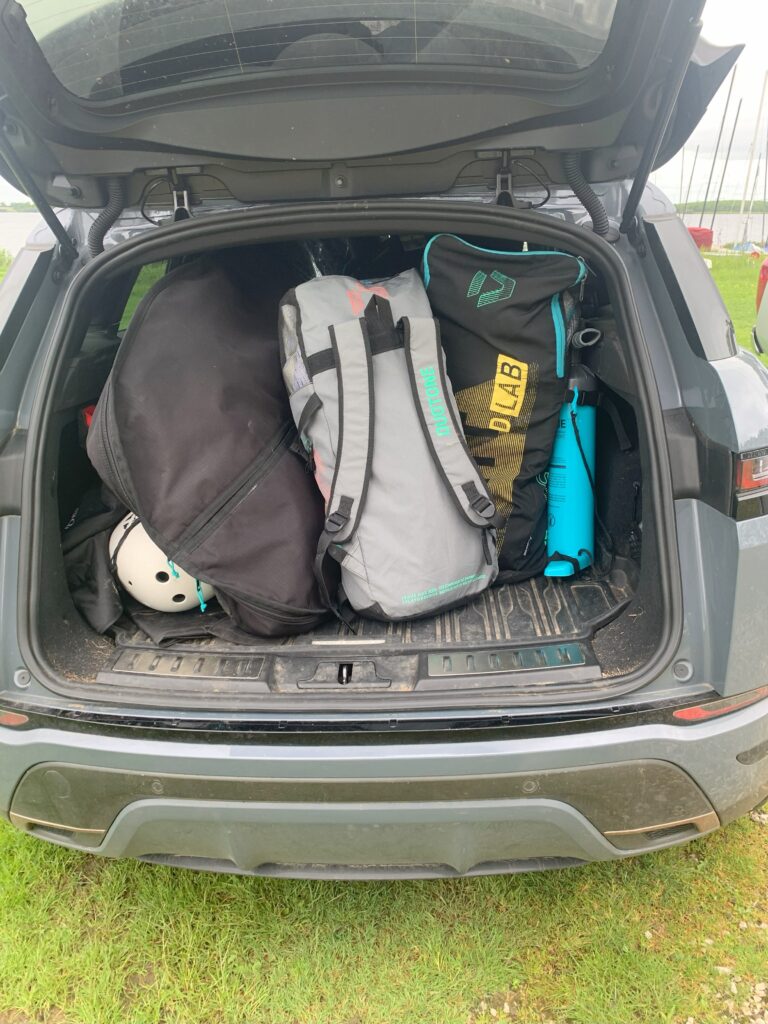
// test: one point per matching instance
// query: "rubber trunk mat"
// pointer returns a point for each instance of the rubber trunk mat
(539, 609)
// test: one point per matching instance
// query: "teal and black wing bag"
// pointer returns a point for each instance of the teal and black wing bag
(505, 318)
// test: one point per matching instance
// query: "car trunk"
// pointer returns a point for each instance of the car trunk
(540, 642)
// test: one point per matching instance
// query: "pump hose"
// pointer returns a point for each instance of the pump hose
(116, 193)
(585, 194)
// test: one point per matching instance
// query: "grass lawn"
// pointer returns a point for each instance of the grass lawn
(736, 277)
(677, 937)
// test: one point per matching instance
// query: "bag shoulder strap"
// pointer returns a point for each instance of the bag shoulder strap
(440, 422)
(354, 447)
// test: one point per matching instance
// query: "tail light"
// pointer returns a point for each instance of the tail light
(750, 484)
(752, 471)
(12, 719)
(717, 708)
(762, 281)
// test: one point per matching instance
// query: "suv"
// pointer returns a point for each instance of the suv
(546, 723)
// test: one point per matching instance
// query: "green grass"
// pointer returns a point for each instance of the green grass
(724, 206)
(5, 262)
(88, 941)
(149, 275)
(654, 940)
(736, 277)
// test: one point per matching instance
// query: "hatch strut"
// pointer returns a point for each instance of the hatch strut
(677, 70)
(67, 248)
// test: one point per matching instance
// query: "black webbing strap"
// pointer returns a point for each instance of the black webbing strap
(354, 448)
(622, 437)
(557, 557)
(382, 337)
(338, 519)
(113, 558)
(482, 504)
(314, 405)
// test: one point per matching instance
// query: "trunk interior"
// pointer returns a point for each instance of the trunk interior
(548, 639)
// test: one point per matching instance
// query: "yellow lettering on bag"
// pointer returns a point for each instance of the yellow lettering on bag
(508, 387)
(500, 425)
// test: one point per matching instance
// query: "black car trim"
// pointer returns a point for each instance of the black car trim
(354, 727)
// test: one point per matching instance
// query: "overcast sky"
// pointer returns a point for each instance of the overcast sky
(725, 21)
(728, 21)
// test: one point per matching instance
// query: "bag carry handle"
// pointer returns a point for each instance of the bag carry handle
(440, 423)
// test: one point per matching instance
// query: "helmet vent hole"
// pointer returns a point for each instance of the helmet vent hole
(178, 598)
(162, 577)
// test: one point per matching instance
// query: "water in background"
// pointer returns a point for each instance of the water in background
(729, 227)
(15, 228)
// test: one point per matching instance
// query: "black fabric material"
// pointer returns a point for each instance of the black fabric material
(607, 403)
(511, 449)
(166, 628)
(194, 432)
(94, 591)
(85, 546)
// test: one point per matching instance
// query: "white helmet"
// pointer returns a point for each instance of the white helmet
(145, 572)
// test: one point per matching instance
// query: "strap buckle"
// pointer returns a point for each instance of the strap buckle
(336, 521)
(483, 506)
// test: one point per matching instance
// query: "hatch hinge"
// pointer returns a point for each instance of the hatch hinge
(636, 237)
(181, 206)
(180, 195)
(504, 184)
(66, 252)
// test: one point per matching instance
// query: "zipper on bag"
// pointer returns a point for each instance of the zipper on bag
(560, 335)
(212, 517)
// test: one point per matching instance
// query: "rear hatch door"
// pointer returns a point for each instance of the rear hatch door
(346, 98)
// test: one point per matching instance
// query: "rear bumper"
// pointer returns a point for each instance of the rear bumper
(452, 807)
(400, 840)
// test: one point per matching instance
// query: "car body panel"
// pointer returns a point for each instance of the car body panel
(414, 837)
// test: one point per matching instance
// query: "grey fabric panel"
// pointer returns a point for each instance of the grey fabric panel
(333, 300)
(412, 541)
(355, 440)
(440, 419)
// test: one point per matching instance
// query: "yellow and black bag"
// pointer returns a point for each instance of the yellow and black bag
(505, 318)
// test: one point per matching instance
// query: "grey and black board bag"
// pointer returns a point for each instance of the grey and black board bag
(407, 514)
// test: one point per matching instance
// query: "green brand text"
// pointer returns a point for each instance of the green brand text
(440, 423)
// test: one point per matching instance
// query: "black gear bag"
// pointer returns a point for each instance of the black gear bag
(505, 319)
(194, 433)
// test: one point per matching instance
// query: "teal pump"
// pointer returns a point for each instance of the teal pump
(571, 497)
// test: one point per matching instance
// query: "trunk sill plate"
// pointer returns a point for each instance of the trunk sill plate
(515, 659)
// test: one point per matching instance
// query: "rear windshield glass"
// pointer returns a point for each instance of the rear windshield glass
(104, 49)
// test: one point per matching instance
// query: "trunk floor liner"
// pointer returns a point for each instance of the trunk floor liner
(540, 609)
